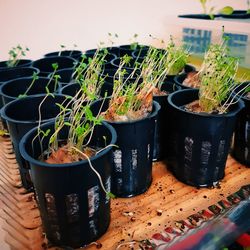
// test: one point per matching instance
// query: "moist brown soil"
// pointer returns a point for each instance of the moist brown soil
(158, 92)
(65, 154)
(192, 80)
(194, 107)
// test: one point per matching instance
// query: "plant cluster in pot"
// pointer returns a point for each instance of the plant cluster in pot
(154, 69)
(132, 112)
(177, 57)
(203, 121)
(70, 161)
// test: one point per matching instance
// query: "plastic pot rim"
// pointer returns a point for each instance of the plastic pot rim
(232, 113)
(7, 118)
(34, 161)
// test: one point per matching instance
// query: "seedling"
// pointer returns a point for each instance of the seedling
(207, 11)
(217, 76)
(15, 54)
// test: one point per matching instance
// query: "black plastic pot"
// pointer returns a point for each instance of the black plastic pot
(76, 54)
(237, 14)
(108, 76)
(7, 75)
(198, 16)
(21, 116)
(130, 66)
(132, 160)
(179, 81)
(21, 63)
(71, 89)
(75, 211)
(241, 142)
(17, 73)
(129, 49)
(45, 64)
(11, 90)
(162, 126)
(201, 141)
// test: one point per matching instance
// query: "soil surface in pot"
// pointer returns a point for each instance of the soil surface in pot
(158, 92)
(247, 95)
(66, 154)
(192, 80)
(195, 107)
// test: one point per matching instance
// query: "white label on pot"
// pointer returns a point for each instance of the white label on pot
(149, 150)
(134, 158)
(117, 154)
(205, 152)
(92, 227)
(221, 150)
(108, 188)
(93, 200)
(188, 148)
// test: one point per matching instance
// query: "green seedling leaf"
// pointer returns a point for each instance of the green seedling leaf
(3, 132)
(111, 195)
(21, 96)
(248, 11)
(67, 124)
(227, 10)
(55, 66)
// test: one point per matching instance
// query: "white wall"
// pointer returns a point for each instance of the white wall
(43, 25)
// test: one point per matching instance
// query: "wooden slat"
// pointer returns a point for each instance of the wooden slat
(20, 224)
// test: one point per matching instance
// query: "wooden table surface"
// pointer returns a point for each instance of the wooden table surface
(134, 218)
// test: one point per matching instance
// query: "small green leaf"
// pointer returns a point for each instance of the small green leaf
(248, 11)
(227, 10)
(110, 195)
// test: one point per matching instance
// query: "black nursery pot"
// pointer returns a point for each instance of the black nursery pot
(76, 54)
(45, 64)
(21, 116)
(162, 126)
(130, 66)
(241, 142)
(71, 89)
(200, 141)
(132, 160)
(12, 89)
(66, 77)
(75, 210)
(21, 63)
(7, 75)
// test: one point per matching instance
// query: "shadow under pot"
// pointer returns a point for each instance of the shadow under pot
(76, 54)
(21, 63)
(21, 87)
(21, 116)
(241, 142)
(45, 64)
(201, 141)
(162, 125)
(75, 210)
(132, 158)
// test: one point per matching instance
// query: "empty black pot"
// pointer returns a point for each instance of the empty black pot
(241, 142)
(74, 208)
(132, 159)
(71, 89)
(76, 54)
(20, 63)
(45, 64)
(22, 115)
(11, 90)
(162, 126)
(201, 141)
